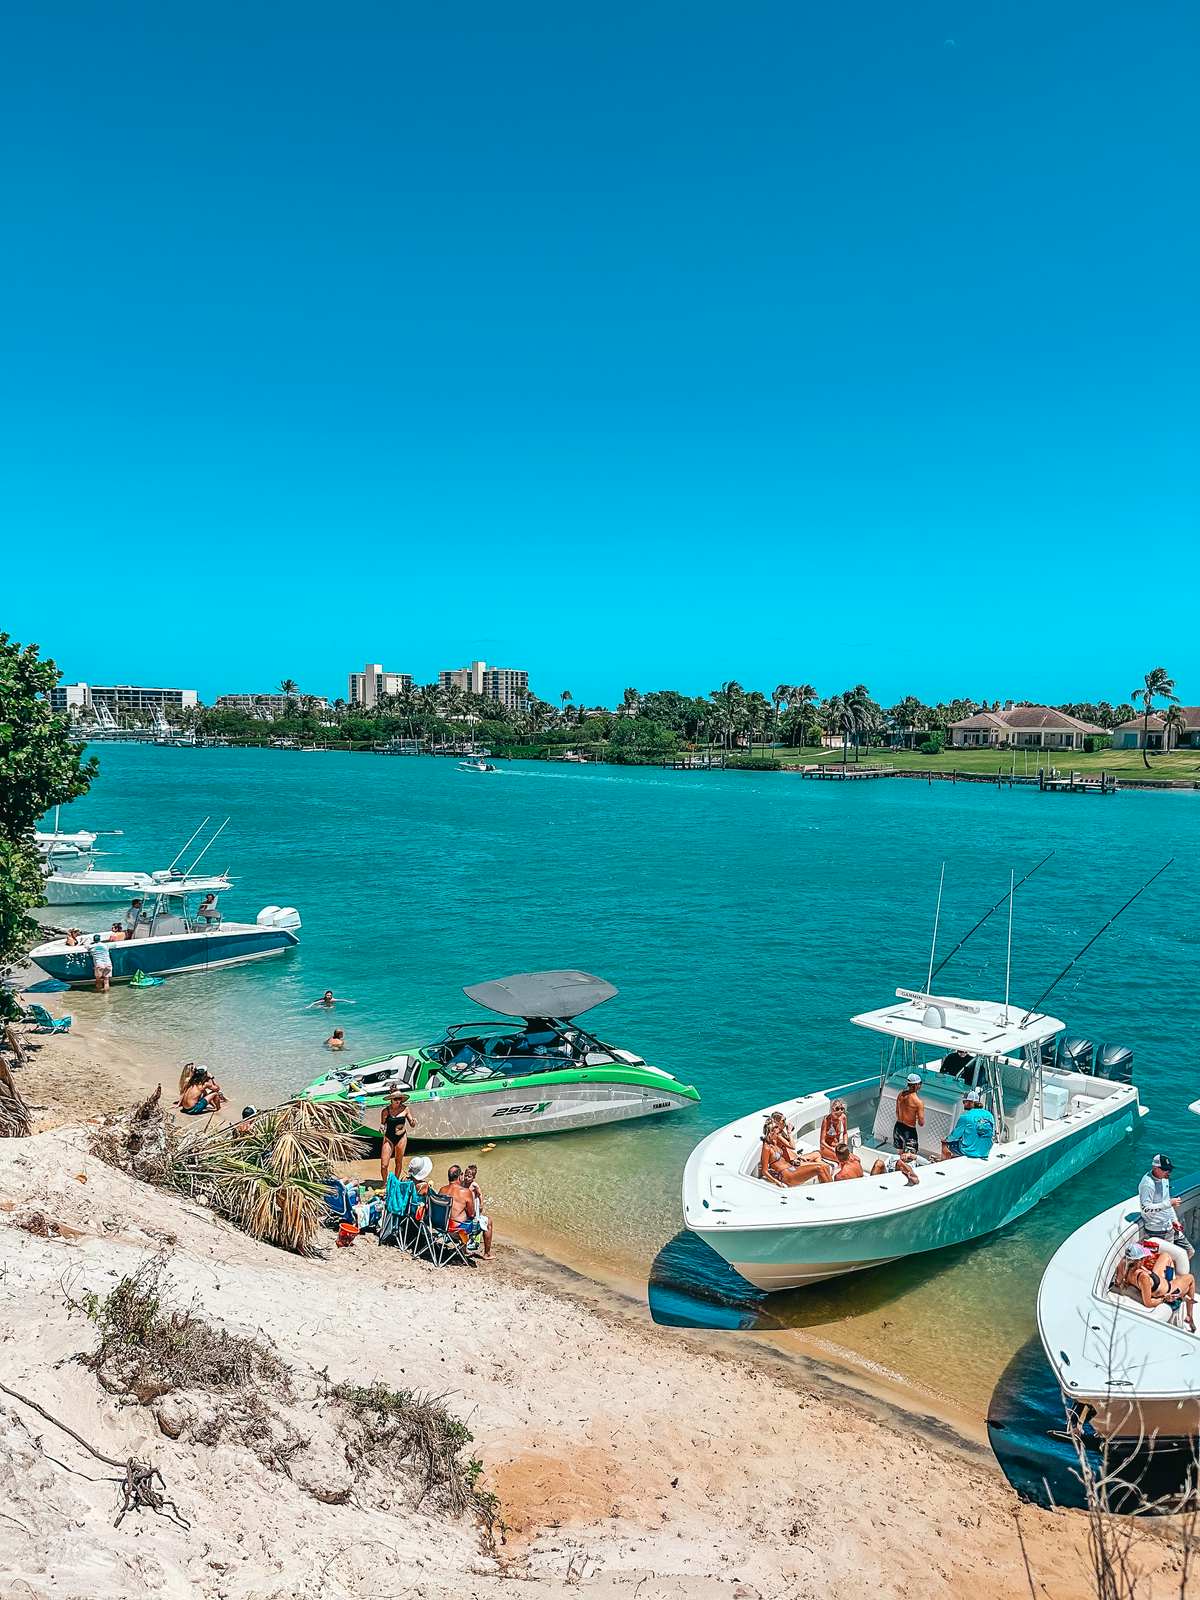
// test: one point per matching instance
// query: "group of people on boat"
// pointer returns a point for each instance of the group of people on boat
(1156, 1267)
(836, 1159)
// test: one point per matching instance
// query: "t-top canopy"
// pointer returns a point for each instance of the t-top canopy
(541, 994)
(977, 1027)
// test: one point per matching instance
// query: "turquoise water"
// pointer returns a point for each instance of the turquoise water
(744, 920)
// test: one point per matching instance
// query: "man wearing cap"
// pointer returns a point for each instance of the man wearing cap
(910, 1115)
(974, 1133)
(1159, 1222)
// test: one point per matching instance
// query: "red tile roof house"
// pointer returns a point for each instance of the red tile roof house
(1022, 728)
(1132, 736)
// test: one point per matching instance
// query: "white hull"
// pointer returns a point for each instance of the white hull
(117, 888)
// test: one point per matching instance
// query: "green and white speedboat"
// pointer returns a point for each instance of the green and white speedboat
(491, 1080)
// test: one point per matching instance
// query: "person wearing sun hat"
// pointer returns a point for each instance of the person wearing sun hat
(1160, 1224)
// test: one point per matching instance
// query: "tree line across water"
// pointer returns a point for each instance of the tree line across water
(648, 725)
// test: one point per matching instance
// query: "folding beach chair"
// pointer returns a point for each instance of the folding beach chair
(434, 1240)
(341, 1198)
(398, 1210)
(45, 1023)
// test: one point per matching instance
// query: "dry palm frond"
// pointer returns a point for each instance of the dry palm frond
(16, 1120)
(270, 1177)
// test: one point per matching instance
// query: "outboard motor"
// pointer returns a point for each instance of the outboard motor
(1076, 1055)
(1115, 1061)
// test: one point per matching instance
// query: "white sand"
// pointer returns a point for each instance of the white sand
(629, 1459)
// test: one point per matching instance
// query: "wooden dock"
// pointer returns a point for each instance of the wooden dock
(697, 761)
(1077, 783)
(840, 773)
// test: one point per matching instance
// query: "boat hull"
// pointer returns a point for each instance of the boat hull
(170, 956)
(521, 1110)
(794, 1256)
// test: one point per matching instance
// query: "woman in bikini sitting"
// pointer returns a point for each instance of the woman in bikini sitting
(780, 1163)
(1145, 1274)
(201, 1094)
(833, 1130)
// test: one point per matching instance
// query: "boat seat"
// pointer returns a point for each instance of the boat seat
(941, 1113)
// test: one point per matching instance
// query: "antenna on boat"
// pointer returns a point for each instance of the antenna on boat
(1046, 992)
(986, 915)
(199, 830)
(210, 844)
(1008, 961)
(937, 915)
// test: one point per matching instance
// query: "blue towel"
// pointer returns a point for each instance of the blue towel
(401, 1192)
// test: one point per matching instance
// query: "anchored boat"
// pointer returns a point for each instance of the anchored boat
(1052, 1120)
(90, 887)
(496, 1081)
(173, 938)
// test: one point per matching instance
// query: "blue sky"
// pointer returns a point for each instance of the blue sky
(640, 344)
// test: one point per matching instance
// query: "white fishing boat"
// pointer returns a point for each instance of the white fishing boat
(1054, 1112)
(476, 766)
(93, 888)
(1130, 1371)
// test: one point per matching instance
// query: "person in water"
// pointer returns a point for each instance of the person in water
(336, 1040)
(776, 1165)
(395, 1120)
(833, 1129)
(328, 1000)
(910, 1115)
(101, 964)
(849, 1166)
(974, 1132)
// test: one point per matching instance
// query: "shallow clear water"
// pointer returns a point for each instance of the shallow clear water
(744, 920)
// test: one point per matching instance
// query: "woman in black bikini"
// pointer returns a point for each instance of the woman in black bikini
(395, 1120)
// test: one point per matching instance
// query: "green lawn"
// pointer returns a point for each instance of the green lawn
(1178, 764)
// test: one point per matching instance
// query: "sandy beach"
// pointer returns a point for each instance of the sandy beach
(626, 1457)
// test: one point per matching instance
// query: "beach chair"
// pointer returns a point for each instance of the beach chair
(398, 1211)
(341, 1198)
(434, 1240)
(45, 1023)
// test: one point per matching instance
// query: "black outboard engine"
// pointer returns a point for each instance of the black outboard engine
(1115, 1061)
(1076, 1055)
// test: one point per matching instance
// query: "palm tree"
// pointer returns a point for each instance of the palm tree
(289, 688)
(630, 701)
(837, 716)
(729, 706)
(564, 700)
(781, 694)
(1174, 723)
(1158, 685)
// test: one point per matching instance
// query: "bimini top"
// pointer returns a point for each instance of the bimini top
(978, 1027)
(541, 994)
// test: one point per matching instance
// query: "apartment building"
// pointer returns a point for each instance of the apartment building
(368, 687)
(508, 685)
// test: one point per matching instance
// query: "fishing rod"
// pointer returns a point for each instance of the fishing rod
(1047, 992)
(210, 844)
(199, 830)
(1013, 887)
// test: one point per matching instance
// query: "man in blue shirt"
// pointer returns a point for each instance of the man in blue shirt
(975, 1131)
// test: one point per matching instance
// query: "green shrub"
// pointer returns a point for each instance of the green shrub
(1097, 741)
(933, 746)
(746, 763)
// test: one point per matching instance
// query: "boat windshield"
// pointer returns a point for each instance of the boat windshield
(478, 1056)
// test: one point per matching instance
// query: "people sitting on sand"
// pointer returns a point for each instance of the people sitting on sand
(246, 1125)
(1156, 1282)
(336, 1040)
(395, 1120)
(787, 1170)
(101, 964)
(465, 1225)
(201, 1095)
(910, 1115)
(833, 1129)
(974, 1133)
(848, 1164)
(902, 1163)
(471, 1179)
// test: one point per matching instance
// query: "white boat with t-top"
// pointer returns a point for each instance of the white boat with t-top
(1051, 1119)
(1129, 1370)
(92, 888)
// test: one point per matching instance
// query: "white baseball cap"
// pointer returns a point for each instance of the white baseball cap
(913, 1079)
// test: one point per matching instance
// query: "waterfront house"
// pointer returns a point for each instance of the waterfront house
(1136, 733)
(1022, 728)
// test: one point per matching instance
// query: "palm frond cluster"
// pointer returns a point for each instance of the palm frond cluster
(267, 1175)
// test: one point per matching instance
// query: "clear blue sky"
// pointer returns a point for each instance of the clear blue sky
(644, 344)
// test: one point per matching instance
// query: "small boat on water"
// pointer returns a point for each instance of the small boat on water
(476, 766)
(1130, 1371)
(174, 939)
(92, 888)
(496, 1081)
(1051, 1121)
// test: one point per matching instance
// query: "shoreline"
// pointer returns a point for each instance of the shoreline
(74, 1077)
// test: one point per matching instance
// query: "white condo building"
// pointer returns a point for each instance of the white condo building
(128, 697)
(269, 705)
(373, 684)
(508, 685)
